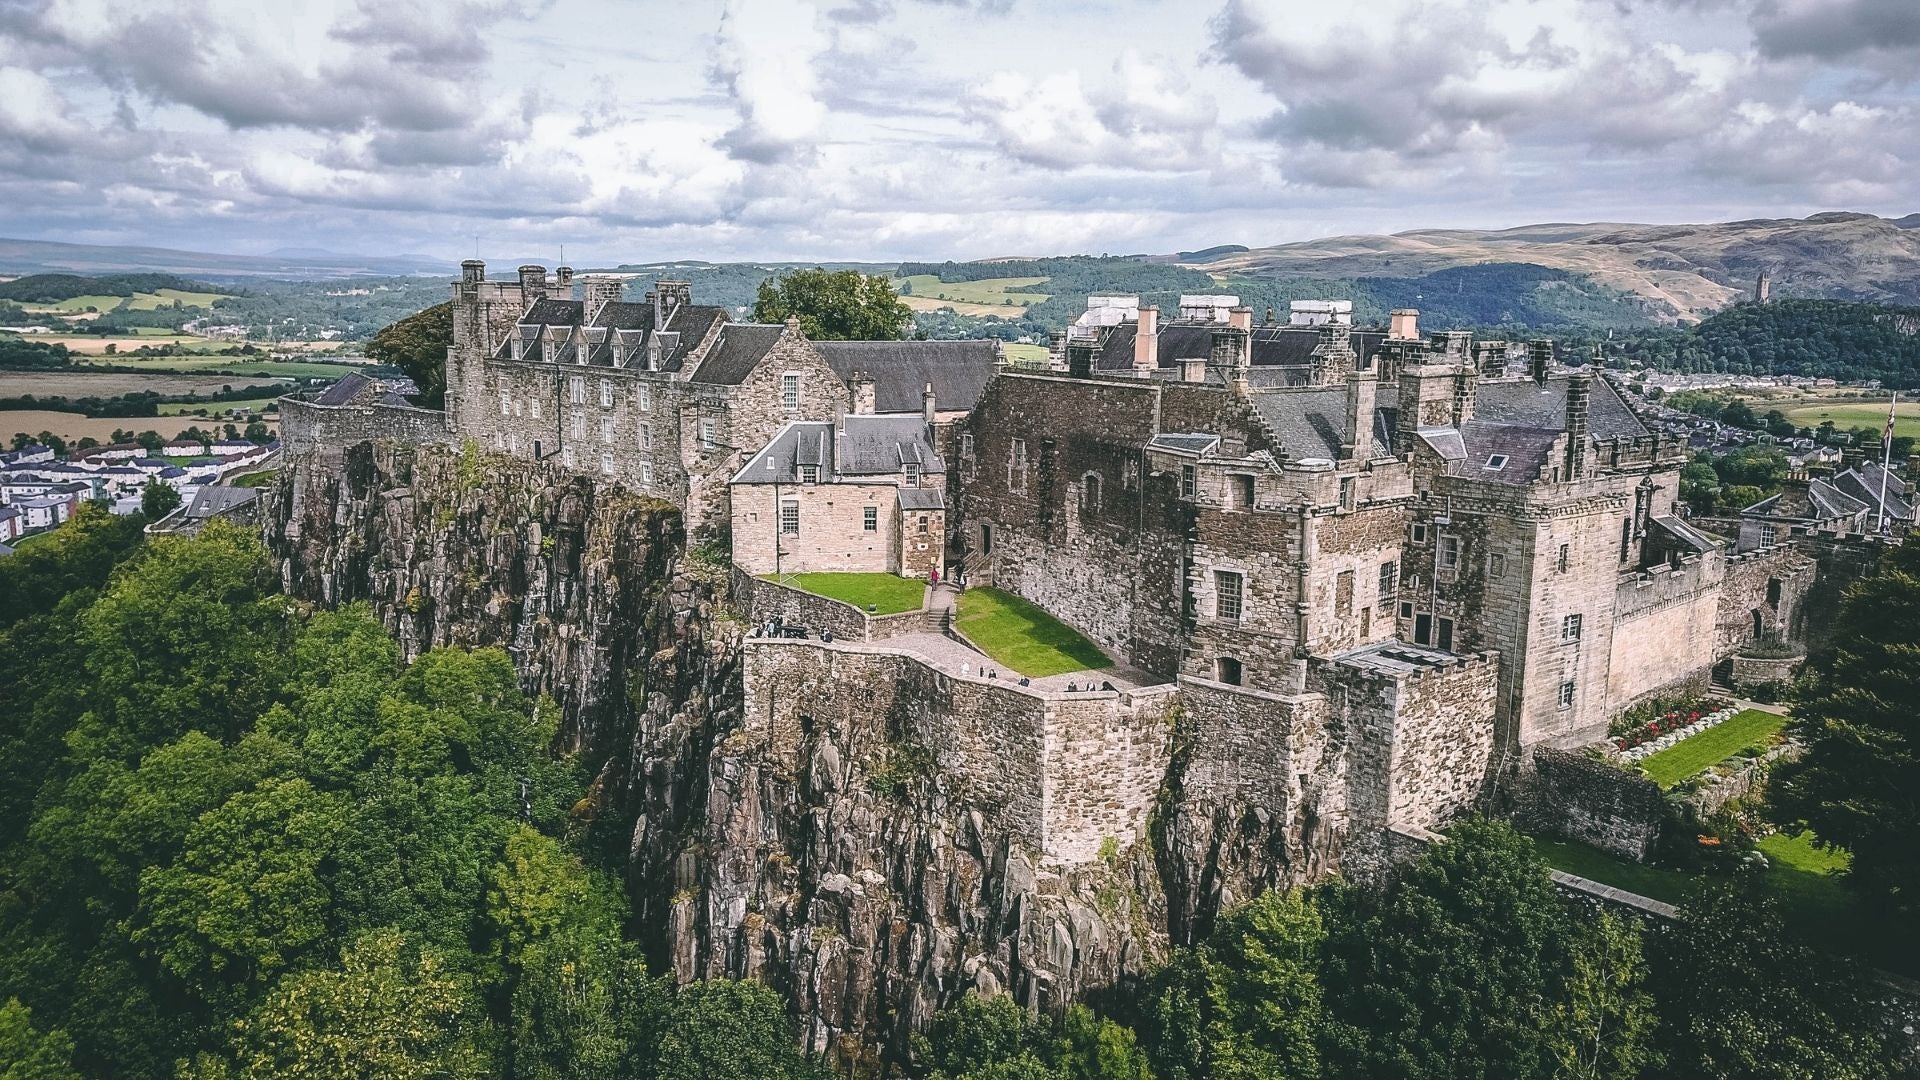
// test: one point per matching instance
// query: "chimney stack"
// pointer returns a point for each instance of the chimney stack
(1193, 369)
(533, 282)
(473, 272)
(598, 292)
(1362, 393)
(1241, 318)
(1578, 397)
(1540, 359)
(563, 278)
(926, 405)
(1403, 324)
(1229, 352)
(860, 390)
(1146, 342)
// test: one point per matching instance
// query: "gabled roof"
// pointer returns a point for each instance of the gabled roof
(1682, 534)
(1505, 454)
(922, 499)
(546, 312)
(1312, 423)
(1815, 500)
(1864, 483)
(901, 370)
(872, 446)
(740, 349)
(345, 390)
(1526, 403)
(219, 498)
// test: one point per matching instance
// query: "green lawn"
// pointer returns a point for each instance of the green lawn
(1750, 727)
(254, 479)
(1009, 291)
(1855, 414)
(166, 297)
(887, 593)
(1596, 865)
(1018, 353)
(1023, 637)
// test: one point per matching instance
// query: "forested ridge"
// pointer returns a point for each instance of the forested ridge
(1834, 339)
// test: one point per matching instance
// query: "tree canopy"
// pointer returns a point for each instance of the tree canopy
(835, 305)
(418, 345)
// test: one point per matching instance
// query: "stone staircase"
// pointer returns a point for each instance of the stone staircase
(938, 615)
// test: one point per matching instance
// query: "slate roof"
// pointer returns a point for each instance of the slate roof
(922, 499)
(344, 389)
(549, 312)
(901, 370)
(1525, 403)
(1396, 658)
(1185, 444)
(1863, 483)
(874, 445)
(1312, 423)
(218, 498)
(740, 348)
(1270, 345)
(1816, 500)
(1683, 534)
(1528, 452)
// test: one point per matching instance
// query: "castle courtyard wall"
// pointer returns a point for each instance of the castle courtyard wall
(1663, 632)
(305, 426)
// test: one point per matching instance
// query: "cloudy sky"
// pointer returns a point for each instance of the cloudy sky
(824, 129)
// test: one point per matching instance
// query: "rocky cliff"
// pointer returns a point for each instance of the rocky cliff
(872, 894)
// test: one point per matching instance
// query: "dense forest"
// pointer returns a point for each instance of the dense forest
(243, 838)
(53, 288)
(1834, 339)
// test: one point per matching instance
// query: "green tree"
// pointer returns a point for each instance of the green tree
(392, 1009)
(835, 305)
(1859, 718)
(1742, 998)
(157, 500)
(418, 345)
(1603, 1029)
(1247, 1003)
(721, 1029)
(151, 442)
(28, 1054)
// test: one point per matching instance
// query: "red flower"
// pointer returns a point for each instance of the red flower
(1693, 716)
(1654, 727)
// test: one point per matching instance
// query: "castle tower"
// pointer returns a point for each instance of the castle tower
(1762, 287)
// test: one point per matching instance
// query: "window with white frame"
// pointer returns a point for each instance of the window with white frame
(606, 393)
(1570, 628)
(577, 388)
(1228, 594)
(1447, 557)
(1566, 694)
(790, 516)
(645, 394)
(646, 474)
(1768, 534)
(707, 440)
(790, 391)
(606, 464)
(578, 424)
(869, 519)
(646, 436)
(912, 469)
(506, 403)
(809, 474)
(1419, 532)
(1189, 482)
(966, 445)
(606, 429)
(534, 406)
(566, 456)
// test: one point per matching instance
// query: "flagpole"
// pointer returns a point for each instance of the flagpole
(1886, 459)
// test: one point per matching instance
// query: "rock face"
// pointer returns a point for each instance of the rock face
(871, 894)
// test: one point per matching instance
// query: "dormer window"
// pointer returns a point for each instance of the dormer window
(809, 474)
(1495, 463)
(912, 469)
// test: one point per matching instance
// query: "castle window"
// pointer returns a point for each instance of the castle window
(646, 474)
(790, 516)
(1419, 533)
(706, 434)
(1090, 494)
(1189, 482)
(1343, 595)
(1389, 580)
(1496, 565)
(606, 464)
(579, 425)
(1773, 592)
(790, 391)
(1768, 534)
(606, 429)
(506, 403)
(645, 394)
(1226, 669)
(1445, 640)
(566, 456)
(1228, 594)
(606, 393)
(1406, 611)
(1347, 489)
(1626, 538)
(912, 469)
(1564, 559)
(1448, 557)
(1017, 465)
(809, 474)
(577, 387)
(646, 436)
(1423, 628)
(869, 519)
(1566, 694)
(966, 446)
(1570, 628)
(1243, 491)
(923, 524)
(534, 406)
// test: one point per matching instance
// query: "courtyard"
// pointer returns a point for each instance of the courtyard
(875, 594)
(1024, 637)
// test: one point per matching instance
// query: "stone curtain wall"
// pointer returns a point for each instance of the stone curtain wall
(305, 426)
(1442, 742)
(1746, 588)
(1663, 631)
(1572, 795)
(1062, 772)
(762, 600)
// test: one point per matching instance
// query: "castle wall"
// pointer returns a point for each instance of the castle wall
(1663, 631)
(305, 426)
(832, 533)
(1568, 794)
(1766, 590)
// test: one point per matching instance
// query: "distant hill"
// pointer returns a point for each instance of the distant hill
(1821, 338)
(1678, 273)
(53, 288)
(42, 257)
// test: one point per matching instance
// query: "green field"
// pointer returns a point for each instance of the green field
(1006, 292)
(1749, 728)
(1018, 353)
(166, 297)
(887, 593)
(82, 303)
(1852, 414)
(239, 365)
(1024, 637)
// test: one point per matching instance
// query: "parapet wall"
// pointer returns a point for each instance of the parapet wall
(305, 426)
(1663, 632)
(1570, 794)
(1767, 591)
(1063, 772)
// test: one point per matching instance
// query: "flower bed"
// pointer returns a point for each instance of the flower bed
(1666, 729)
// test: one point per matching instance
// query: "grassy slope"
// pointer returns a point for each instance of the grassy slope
(1023, 637)
(1011, 292)
(889, 594)
(1712, 746)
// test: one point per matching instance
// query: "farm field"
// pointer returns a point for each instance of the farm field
(1852, 414)
(95, 345)
(992, 296)
(166, 297)
(113, 384)
(214, 408)
(1018, 353)
(71, 426)
(241, 365)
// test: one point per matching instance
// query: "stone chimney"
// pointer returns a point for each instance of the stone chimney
(1241, 317)
(860, 394)
(563, 278)
(1403, 324)
(598, 292)
(1362, 393)
(1082, 358)
(1465, 393)
(1193, 369)
(1540, 359)
(473, 272)
(1333, 356)
(533, 282)
(927, 405)
(1229, 351)
(1426, 401)
(1146, 342)
(1579, 391)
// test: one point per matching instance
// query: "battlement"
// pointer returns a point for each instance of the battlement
(308, 425)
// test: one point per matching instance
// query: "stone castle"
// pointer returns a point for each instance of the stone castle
(1356, 578)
